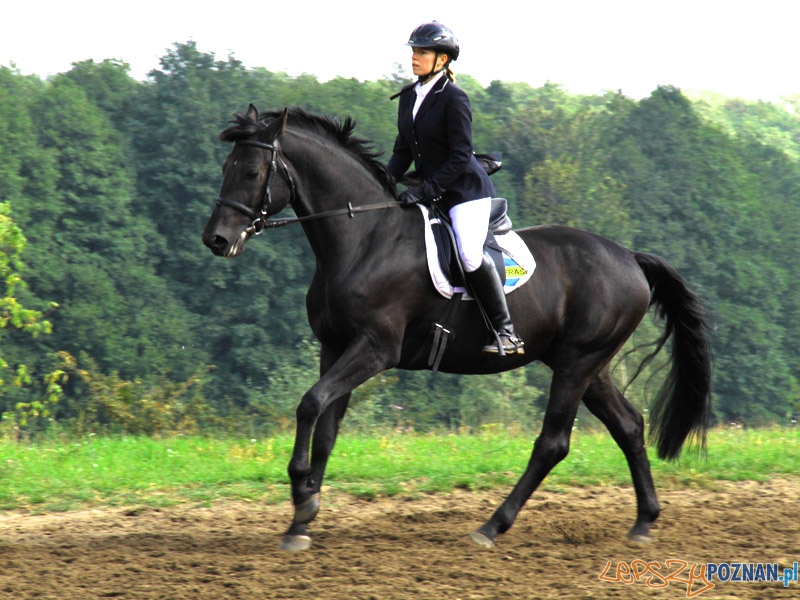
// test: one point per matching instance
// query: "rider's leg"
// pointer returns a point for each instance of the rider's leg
(470, 224)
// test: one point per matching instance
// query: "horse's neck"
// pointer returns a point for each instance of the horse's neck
(333, 183)
(341, 240)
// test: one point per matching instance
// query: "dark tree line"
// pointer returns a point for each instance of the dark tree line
(111, 180)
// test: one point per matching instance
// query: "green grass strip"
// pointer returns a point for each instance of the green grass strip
(134, 471)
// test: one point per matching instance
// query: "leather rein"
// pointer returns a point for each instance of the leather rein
(262, 221)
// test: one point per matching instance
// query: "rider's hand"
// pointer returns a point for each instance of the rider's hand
(412, 195)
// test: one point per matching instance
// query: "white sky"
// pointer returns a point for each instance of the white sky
(739, 48)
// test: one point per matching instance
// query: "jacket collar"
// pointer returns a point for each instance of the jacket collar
(437, 89)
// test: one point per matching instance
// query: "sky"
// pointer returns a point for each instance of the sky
(737, 48)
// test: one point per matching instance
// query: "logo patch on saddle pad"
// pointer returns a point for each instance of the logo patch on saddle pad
(519, 262)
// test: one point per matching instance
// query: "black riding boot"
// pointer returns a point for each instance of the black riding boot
(486, 285)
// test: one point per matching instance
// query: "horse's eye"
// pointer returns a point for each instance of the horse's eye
(252, 174)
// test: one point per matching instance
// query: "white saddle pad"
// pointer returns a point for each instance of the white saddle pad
(518, 259)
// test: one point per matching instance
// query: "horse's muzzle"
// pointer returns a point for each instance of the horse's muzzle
(217, 244)
(220, 245)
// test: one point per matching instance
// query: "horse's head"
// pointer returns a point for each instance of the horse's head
(256, 184)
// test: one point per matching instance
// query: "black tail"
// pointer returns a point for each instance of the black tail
(683, 405)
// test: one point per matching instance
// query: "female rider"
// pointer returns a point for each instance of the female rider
(435, 132)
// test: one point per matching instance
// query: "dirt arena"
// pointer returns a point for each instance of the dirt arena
(402, 548)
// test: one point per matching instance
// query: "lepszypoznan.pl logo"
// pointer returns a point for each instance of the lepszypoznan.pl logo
(696, 578)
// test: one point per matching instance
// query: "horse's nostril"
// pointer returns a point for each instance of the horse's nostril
(217, 244)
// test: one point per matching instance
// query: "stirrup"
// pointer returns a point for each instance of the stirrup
(510, 342)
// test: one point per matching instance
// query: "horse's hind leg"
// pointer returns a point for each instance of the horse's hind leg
(550, 448)
(627, 428)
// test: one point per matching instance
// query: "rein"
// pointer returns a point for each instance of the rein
(262, 220)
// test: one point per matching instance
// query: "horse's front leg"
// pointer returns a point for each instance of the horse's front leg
(321, 411)
(325, 433)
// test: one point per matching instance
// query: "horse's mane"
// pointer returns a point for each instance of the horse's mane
(340, 132)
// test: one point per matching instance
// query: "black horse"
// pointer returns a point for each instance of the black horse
(371, 305)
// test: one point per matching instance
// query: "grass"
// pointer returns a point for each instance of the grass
(134, 471)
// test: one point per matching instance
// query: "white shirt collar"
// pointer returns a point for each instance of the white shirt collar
(423, 90)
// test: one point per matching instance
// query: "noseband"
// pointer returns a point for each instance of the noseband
(260, 221)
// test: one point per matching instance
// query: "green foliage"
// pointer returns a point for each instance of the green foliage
(698, 201)
(158, 407)
(12, 313)
(112, 180)
(63, 472)
(15, 315)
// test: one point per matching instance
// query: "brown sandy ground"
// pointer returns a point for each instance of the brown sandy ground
(400, 547)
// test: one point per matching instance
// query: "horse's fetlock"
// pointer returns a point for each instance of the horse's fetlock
(650, 515)
(504, 519)
(298, 470)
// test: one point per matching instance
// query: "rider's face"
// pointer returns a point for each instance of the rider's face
(424, 61)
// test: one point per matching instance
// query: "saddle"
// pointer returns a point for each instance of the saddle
(508, 251)
(499, 224)
(449, 258)
(518, 264)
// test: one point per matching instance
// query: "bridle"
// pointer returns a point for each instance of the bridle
(261, 220)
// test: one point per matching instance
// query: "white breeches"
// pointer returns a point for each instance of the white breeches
(470, 224)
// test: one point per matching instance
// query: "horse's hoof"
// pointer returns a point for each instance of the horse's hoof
(481, 540)
(295, 543)
(305, 512)
(638, 538)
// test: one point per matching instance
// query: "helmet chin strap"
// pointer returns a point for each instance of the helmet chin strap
(423, 79)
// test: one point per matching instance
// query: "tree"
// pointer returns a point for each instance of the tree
(696, 202)
(91, 254)
(22, 380)
(12, 312)
(573, 184)
(112, 181)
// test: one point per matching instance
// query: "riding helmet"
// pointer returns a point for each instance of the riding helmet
(437, 36)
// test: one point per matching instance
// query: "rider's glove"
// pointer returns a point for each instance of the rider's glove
(412, 195)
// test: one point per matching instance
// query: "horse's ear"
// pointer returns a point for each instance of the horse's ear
(252, 113)
(284, 118)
